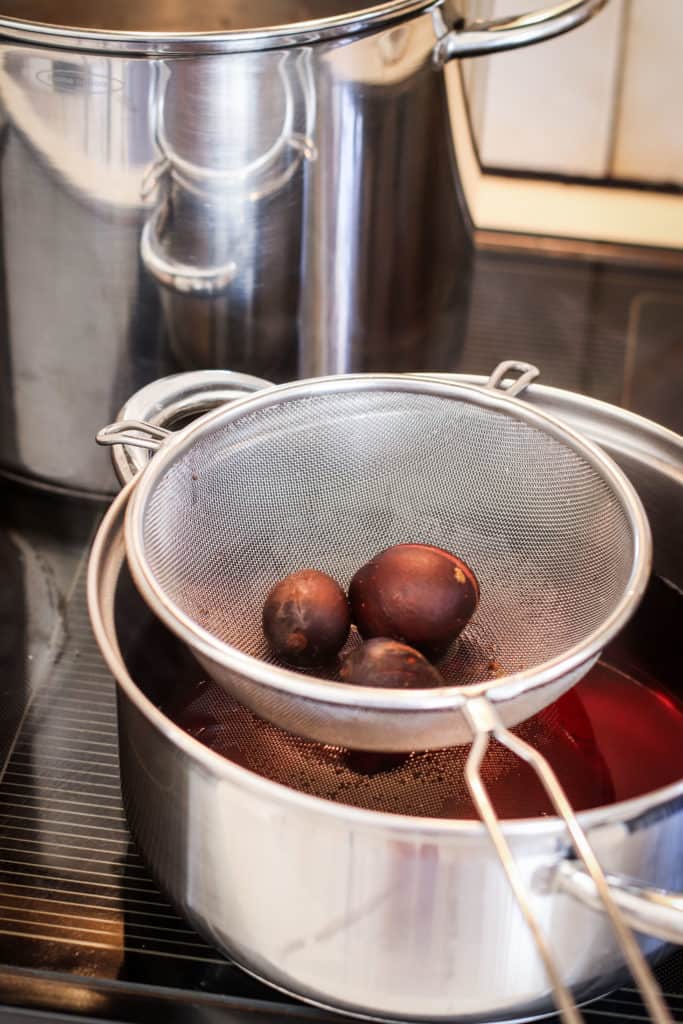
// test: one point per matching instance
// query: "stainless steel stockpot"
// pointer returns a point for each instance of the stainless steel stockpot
(383, 915)
(265, 186)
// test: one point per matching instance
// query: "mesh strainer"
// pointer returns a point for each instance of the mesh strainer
(325, 474)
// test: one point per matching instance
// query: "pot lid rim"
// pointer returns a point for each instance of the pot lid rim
(366, 16)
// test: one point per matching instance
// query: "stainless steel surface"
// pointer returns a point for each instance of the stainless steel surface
(374, 913)
(276, 480)
(287, 208)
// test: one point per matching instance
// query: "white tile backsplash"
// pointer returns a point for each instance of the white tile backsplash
(605, 100)
(549, 106)
(649, 118)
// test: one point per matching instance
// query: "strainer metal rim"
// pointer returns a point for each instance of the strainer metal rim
(395, 700)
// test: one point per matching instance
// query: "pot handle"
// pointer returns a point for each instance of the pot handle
(653, 912)
(481, 37)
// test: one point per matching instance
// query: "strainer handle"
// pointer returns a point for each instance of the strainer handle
(527, 372)
(137, 433)
(486, 724)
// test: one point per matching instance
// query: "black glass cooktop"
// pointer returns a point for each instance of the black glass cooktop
(613, 332)
(84, 932)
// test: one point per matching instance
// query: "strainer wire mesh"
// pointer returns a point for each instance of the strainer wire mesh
(327, 481)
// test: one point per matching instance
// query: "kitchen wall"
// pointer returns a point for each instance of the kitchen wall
(602, 102)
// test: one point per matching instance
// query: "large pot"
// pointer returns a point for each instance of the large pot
(379, 914)
(263, 186)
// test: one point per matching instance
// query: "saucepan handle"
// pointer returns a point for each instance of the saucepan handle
(480, 37)
(174, 400)
(653, 912)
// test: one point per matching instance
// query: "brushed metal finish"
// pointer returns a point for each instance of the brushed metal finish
(385, 915)
(286, 208)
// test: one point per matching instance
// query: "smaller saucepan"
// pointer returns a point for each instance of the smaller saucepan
(382, 914)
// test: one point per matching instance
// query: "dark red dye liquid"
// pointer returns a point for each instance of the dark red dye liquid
(617, 734)
(610, 738)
